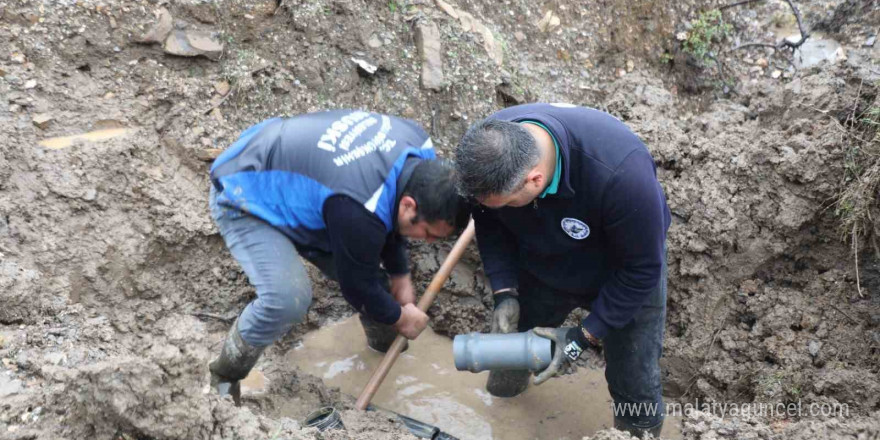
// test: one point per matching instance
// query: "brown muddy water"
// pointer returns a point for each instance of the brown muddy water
(424, 385)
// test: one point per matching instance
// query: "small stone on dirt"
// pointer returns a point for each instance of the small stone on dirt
(776, 74)
(30, 84)
(364, 66)
(681, 36)
(428, 42)
(519, 36)
(840, 55)
(630, 65)
(9, 386)
(374, 41)
(42, 120)
(814, 347)
(221, 87)
(447, 8)
(192, 43)
(18, 58)
(160, 30)
(549, 22)
(762, 62)
(870, 41)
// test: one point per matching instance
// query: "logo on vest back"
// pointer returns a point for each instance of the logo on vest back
(575, 228)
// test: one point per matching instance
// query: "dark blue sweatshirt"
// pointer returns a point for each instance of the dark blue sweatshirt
(331, 182)
(601, 235)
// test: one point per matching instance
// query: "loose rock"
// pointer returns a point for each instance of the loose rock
(9, 386)
(192, 43)
(159, 32)
(364, 67)
(447, 8)
(549, 22)
(374, 42)
(43, 120)
(221, 87)
(428, 41)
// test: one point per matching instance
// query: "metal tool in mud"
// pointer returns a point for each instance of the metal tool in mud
(424, 303)
(415, 427)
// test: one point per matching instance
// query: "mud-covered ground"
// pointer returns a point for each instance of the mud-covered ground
(115, 288)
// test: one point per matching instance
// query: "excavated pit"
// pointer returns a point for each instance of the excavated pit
(116, 290)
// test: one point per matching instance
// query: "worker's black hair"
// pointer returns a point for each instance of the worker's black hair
(433, 186)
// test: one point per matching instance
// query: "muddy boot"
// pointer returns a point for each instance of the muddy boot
(507, 383)
(234, 363)
(638, 431)
(379, 336)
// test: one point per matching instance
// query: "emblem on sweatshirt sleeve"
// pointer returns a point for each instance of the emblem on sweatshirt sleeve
(575, 228)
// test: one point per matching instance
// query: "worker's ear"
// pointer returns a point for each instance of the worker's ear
(408, 207)
(535, 179)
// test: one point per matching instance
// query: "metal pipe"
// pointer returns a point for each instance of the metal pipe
(477, 352)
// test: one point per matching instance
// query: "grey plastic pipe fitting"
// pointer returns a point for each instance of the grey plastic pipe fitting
(477, 352)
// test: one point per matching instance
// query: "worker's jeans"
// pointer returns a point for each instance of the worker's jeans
(274, 268)
(632, 353)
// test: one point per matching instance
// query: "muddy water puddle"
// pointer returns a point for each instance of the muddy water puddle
(424, 385)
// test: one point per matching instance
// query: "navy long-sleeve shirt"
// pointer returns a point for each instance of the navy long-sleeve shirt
(359, 242)
(601, 235)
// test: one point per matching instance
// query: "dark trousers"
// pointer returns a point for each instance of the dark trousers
(632, 353)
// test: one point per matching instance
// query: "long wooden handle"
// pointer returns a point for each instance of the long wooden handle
(427, 299)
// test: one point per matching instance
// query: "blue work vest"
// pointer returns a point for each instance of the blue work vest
(283, 170)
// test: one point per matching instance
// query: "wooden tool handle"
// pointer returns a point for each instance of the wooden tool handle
(424, 303)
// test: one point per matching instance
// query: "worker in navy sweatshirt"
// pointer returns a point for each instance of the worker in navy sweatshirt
(341, 189)
(572, 215)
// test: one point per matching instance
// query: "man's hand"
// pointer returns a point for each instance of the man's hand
(402, 289)
(412, 321)
(505, 317)
(570, 342)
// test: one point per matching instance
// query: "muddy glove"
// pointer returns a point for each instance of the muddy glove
(505, 317)
(569, 343)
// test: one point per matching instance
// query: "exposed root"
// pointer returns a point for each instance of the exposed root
(784, 43)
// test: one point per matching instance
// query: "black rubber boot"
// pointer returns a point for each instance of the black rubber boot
(638, 431)
(234, 363)
(379, 336)
(508, 383)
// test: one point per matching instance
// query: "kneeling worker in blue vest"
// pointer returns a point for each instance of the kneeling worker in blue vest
(341, 189)
(574, 216)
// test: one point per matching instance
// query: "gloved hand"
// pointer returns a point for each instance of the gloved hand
(570, 342)
(505, 317)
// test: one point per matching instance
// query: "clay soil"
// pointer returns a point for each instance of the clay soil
(116, 288)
